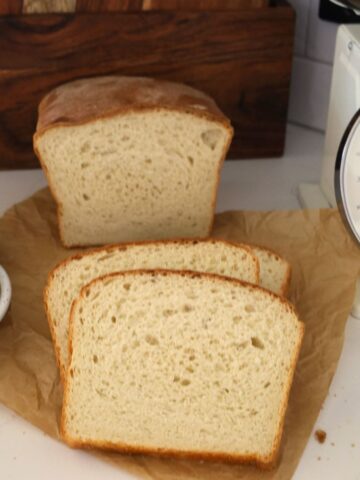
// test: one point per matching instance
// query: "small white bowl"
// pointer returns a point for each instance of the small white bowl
(5, 292)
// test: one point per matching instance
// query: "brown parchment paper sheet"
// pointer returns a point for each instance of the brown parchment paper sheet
(325, 263)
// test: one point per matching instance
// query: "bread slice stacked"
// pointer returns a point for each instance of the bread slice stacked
(182, 364)
(156, 358)
(67, 279)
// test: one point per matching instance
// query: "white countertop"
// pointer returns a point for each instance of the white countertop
(270, 184)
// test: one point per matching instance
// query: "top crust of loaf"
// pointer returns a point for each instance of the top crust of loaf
(88, 99)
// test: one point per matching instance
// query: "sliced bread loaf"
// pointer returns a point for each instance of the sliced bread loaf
(275, 271)
(180, 363)
(67, 279)
(131, 159)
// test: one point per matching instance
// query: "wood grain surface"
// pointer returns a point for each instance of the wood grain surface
(12, 7)
(242, 59)
(48, 6)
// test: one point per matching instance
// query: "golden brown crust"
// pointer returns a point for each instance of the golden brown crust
(286, 283)
(58, 204)
(90, 99)
(87, 99)
(265, 462)
(287, 392)
(52, 329)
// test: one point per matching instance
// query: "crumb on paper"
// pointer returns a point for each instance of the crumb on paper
(320, 435)
(332, 444)
(319, 458)
(353, 445)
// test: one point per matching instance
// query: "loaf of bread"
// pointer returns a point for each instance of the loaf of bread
(66, 280)
(131, 159)
(180, 363)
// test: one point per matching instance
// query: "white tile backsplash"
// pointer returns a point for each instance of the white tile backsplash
(302, 14)
(321, 36)
(314, 48)
(309, 93)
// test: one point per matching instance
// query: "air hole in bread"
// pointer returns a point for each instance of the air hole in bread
(249, 308)
(86, 197)
(211, 137)
(191, 160)
(85, 165)
(85, 147)
(185, 382)
(126, 286)
(95, 359)
(187, 308)
(176, 379)
(151, 340)
(257, 343)
(168, 312)
(267, 384)
(113, 319)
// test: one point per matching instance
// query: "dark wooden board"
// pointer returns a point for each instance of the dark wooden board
(242, 59)
(12, 7)
(136, 5)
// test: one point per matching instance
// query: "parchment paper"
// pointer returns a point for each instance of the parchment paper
(325, 265)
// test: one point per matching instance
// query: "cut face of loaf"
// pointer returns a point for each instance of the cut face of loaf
(144, 165)
(176, 363)
(67, 279)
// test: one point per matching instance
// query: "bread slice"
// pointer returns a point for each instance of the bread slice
(275, 271)
(180, 363)
(131, 159)
(66, 280)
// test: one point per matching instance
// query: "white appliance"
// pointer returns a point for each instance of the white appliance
(342, 141)
(344, 102)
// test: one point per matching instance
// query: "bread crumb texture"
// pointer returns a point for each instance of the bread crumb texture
(180, 362)
(202, 255)
(143, 175)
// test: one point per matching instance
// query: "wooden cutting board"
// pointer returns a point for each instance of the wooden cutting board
(238, 51)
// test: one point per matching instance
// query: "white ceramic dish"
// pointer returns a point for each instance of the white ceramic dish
(5, 292)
